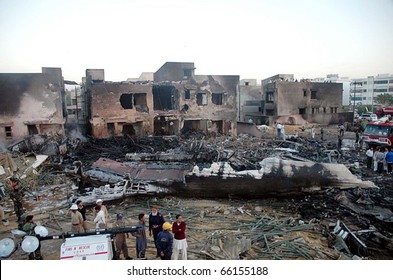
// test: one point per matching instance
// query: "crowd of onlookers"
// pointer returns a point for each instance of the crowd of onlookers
(380, 159)
(169, 238)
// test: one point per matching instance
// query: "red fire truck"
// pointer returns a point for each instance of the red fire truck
(379, 133)
(384, 111)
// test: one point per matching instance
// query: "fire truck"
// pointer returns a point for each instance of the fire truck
(379, 133)
(384, 111)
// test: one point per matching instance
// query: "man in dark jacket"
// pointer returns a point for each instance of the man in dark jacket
(165, 242)
(156, 220)
(82, 210)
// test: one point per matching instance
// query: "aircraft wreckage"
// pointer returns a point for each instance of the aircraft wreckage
(276, 177)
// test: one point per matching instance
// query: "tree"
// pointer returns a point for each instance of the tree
(384, 99)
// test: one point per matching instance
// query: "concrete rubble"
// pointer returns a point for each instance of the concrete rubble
(242, 197)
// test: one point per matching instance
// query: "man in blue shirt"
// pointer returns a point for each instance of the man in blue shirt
(389, 160)
(165, 242)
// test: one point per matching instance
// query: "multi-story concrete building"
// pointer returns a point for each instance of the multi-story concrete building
(290, 100)
(31, 103)
(176, 102)
(368, 88)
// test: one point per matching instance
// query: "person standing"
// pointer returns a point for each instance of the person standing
(79, 175)
(389, 160)
(369, 157)
(2, 214)
(165, 242)
(99, 220)
(100, 203)
(82, 210)
(339, 144)
(341, 128)
(120, 240)
(2, 195)
(76, 219)
(179, 242)
(322, 133)
(380, 159)
(357, 137)
(279, 128)
(156, 220)
(283, 136)
(16, 196)
(140, 234)
(385, 164)
(312, 132)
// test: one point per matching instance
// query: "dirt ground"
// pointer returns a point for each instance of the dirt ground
(205, 219)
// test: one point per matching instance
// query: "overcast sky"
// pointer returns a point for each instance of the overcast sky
(251, 38)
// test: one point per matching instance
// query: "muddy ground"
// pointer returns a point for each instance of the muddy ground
(299, 227)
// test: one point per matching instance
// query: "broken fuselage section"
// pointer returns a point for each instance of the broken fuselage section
(276, 177)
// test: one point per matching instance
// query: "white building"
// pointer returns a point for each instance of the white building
(366, 88)
(370, 87)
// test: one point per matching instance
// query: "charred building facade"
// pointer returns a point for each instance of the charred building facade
(251, 104)
(31, 103)
(177, 101)
(291, 100)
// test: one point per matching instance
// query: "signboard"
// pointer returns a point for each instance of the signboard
(95, 247)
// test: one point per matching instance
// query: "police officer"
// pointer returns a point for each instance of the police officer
(16, 196)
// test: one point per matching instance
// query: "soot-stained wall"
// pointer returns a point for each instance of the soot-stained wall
(30, 100)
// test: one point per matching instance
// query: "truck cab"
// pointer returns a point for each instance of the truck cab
(378, 133)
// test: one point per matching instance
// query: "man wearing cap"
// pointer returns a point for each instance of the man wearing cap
(76, 219)
(28, 227)
(120, 240)
(99, 220)
(156, 220)
(165, 242)
(99, 202)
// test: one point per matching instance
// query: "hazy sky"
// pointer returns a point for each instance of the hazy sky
(250, 38)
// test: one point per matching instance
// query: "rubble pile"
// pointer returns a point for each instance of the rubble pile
(334, 223)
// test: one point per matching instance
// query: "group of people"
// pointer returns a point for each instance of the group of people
(380, 160)
(169, 238)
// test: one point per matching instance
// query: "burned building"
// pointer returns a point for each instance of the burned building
(31, 103)
(120, 109)
(177, 101)
(250, 103)
(292, 101)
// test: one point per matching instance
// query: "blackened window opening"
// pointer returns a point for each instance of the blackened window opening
(164, 97)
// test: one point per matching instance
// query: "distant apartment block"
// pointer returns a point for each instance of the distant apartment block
(370, 87)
